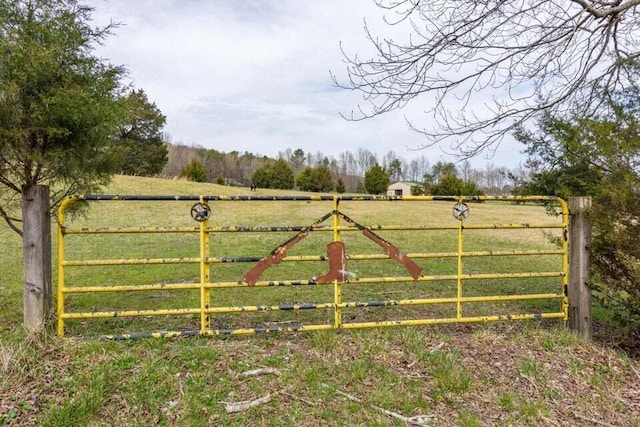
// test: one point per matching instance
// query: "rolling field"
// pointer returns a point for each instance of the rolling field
(512, 373)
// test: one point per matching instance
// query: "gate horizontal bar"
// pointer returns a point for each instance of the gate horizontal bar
(129, 230)
(382, 303)
(131, 313)
(479, 319)
(307, 306)
(311, 282)
(309, 328)
(320, 228)
(131, 288)
(129, 261)
(297, 258)
(240, 198)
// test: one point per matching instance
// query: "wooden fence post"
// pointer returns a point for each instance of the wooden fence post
(37, 256)
(579, 250)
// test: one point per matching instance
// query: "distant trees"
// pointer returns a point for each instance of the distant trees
(443, 180)
(451, 185)
(376, 180)
(278, 175)
(241, 167)
(138, 148)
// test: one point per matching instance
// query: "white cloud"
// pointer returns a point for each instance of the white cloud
(254, 75)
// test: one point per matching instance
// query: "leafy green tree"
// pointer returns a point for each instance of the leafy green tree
(281, 175)
(376, 180)
(598, 157)
(261, 177)
(417, 190)
(323, 179)
(139, 148)
(58, 111)
(305, 180)
(195, 171)
(316, 179)
(451, 185)
(277, 175)
(59, 103)
(340, 188)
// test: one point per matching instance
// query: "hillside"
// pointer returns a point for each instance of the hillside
(505, 374)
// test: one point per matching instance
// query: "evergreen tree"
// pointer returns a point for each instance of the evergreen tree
(323, 179)
(138, 148)
(59, 104)
(277, 175)
(195, 171)
(598, 157)
(376, 180)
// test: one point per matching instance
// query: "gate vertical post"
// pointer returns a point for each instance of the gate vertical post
(36, 241)
(579, 251)
(205, 294)
(337, 286)
(60, 261)
(459, 271)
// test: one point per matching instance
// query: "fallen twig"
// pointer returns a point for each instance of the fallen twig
(261, 371)
(436, 347)
(593, 421)
(531, 381)
(635, 371)
(301, 399)
(233, 407)
(418, 420)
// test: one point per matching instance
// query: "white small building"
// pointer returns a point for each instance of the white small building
(401, 188)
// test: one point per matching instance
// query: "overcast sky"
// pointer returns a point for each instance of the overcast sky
(251, 75)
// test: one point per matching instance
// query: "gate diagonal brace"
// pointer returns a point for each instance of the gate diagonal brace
(280, 252)
(389, 249)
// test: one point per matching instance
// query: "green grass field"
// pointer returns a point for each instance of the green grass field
(512, 373)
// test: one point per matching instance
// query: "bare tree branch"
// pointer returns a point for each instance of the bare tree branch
(486, 67)
(10, 221)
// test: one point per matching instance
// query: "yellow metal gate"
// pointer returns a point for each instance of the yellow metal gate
(436, 269)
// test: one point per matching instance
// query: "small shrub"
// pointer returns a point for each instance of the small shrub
(194, 171)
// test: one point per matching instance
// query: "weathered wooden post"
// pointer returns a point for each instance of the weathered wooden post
(579, 250)
(36, 239)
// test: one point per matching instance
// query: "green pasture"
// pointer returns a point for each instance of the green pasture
(525, 373)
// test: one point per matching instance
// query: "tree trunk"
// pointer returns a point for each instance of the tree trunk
(37, 256)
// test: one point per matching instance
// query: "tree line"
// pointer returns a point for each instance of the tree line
(346, 172)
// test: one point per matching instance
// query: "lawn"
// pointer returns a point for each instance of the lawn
(510, 373)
